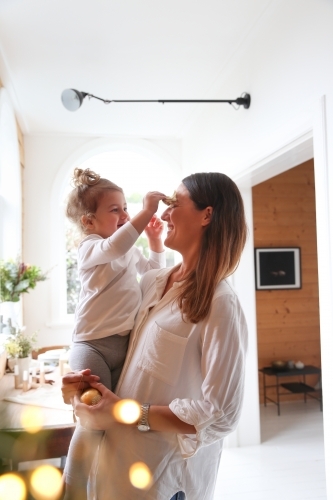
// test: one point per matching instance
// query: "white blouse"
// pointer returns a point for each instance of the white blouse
(195, 369)
(110, 294)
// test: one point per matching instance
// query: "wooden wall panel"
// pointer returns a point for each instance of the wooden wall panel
(21, 149)
(288, 320)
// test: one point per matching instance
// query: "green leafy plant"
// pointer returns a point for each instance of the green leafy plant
(20, 345)
(16, 278)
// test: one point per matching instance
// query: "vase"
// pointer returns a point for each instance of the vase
(23, 365)
(10, 310)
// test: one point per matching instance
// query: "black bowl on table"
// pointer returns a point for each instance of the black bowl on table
(280, 366)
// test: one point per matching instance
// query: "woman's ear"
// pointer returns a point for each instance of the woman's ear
(208, 212)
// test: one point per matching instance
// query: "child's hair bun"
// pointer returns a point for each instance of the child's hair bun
(85, 177)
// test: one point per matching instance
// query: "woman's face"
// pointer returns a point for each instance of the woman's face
(185, 223)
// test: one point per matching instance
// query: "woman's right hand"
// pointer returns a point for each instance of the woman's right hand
(75, 382)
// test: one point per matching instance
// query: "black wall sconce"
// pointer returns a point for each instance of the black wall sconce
(72, 100)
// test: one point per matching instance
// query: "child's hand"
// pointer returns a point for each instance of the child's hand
(151, 200)
(150, 206)
(154, 228)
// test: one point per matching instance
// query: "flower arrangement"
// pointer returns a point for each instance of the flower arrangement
(19, 345)
(16, 278)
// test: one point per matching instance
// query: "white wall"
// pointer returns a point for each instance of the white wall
(10, 182)
(286, 66)
(323, 154)
(248, 430)
(10, 198)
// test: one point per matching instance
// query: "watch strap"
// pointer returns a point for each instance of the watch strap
(143, 423)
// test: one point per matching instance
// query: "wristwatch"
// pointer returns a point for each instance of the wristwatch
(143, 424)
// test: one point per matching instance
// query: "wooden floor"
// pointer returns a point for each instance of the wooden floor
(288, 465)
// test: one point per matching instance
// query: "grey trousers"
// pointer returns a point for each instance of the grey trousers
(105, 358)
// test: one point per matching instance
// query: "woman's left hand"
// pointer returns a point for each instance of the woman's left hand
(99, 416)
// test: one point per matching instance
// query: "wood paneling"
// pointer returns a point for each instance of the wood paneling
(21, 150)
(21, 144)
(288, 320)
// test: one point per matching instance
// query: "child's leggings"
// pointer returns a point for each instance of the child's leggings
(105, 358)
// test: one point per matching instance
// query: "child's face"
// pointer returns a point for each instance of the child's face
(110, 215)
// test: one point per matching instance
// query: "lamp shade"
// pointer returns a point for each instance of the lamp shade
(72, 99)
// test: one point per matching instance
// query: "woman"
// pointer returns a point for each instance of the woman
(186, 356)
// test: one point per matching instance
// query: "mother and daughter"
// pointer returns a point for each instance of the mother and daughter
(185, 360)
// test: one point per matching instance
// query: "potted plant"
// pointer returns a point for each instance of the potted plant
(16, 278)
(19, 347)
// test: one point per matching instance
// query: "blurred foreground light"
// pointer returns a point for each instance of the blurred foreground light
(46, 483)
(127, 411)
(32, 419)
(12, 487)
(140, 476)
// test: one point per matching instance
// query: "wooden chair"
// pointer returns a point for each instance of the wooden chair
(41, 350)
(21, 446)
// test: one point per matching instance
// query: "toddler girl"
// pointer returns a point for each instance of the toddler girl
(110, 295)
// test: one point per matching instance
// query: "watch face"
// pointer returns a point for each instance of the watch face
(143, 427)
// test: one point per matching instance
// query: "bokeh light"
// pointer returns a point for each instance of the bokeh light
(12, 487)
(140, 476)
(46, 483)
(32, 419)
(127, 411)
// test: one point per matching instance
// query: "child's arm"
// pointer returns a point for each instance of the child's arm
(157, 254)
(101, 251)
(154, 230)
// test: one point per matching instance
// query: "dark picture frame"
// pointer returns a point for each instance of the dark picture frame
(278, 268)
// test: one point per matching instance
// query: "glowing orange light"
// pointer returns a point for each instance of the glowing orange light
(46, 483)
(140, 476)
(32, 419)
(126, 411)
(12, 487)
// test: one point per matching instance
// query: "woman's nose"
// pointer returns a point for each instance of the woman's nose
(165, 215)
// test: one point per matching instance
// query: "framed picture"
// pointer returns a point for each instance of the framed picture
(277, 268)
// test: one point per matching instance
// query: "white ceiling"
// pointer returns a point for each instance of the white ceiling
(118, 49)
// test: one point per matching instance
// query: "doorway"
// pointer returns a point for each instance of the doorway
(288, 324)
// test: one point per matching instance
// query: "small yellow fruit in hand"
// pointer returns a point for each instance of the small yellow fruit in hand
(90, 397)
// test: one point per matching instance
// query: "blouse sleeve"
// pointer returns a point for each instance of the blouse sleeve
(99, 251)
(155, 261)
(224, 345)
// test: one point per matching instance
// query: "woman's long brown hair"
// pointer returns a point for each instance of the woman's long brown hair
(222, 242)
